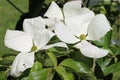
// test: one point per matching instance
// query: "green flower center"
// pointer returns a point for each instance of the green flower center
(34, 48)
(82, 37)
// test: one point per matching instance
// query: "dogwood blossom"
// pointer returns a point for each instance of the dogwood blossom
(77, 24)
(54, 13)
(80, 26)
(34, 37)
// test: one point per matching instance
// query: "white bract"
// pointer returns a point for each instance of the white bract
(80, 25)
(54, 13)
(22, 62)
(35, 37)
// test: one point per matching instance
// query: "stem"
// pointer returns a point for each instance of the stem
(15, 6)
(87, 3)
(94, 64)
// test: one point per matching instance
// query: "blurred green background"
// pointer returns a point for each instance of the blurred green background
(8, 19)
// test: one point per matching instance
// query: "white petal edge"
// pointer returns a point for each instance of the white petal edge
(18, 40)
(59, 44)
(78, 24)
(64, 34)
(21, 63)
(33, 25)
(54, 11)
(42, 38)
(90, 50)
(98, 27)
(72, 8)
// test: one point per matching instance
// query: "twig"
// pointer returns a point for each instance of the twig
(94, 64)
(15, 6)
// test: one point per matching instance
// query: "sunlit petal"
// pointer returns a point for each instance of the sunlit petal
(41, 39)
(90, 50)
(54, 11)
(78, 24)
(98, 27)
(21, 63)
(59, 44)
(64, 34)
(18, 40)
(72, 8)
(33, 25)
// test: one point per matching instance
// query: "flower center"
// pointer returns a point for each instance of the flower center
(82, 37)
(34, 48)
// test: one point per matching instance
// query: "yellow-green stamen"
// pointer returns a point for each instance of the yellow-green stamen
(34, 48)
(82, 37)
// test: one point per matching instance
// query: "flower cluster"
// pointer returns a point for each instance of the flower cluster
(72, 25)
(76, 25)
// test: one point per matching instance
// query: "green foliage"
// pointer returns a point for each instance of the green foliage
(80, 68)
(38, 73)
(77, 66)
(116, 75)
(36, 66)
(64, 74)
(103, 62)
(53, 58)
(7, 60)
(49, 1)
(105, 41)
(3, 75)
(112, 68)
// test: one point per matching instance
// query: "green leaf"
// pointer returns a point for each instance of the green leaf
(7, 60)
(107, 39)
(26, 78)
(103, 62)
(39, 73)
(112, 68)
(47, 2)
(65, 75)
(39, 56)
(53, 58)
(60, 50)
(80, 68)
(118, 51)
(116, 75)
(3, 75)
(48, 62)
(77, 66)
(99, 9)
(36, 66)
(92, 2)
(77, 56)
(42, 74)
(104, 41)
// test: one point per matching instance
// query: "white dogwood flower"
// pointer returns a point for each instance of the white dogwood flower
(34, 37)
(82, 27)
(54, 13)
